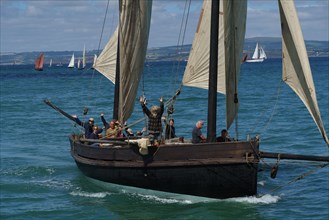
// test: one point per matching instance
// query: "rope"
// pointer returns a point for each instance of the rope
(179, 46)
(272, 112)
(296, 179)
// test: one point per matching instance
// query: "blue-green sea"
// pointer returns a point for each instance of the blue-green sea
(40, 180)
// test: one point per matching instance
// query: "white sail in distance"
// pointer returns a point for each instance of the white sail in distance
(71, 64)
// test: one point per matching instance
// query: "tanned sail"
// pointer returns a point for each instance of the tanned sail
(232, 22)
(134, 30)
(39, 62)
(296, 70)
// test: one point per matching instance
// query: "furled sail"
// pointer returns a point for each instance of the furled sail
(296, 71)
(135, 17)
(232, 23)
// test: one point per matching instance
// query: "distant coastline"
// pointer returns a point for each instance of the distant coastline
(272, 46)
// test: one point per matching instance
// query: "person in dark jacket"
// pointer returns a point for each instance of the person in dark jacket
(154, 122)
(170, 129)
(223, 137)
(96, 134)
(88, 125)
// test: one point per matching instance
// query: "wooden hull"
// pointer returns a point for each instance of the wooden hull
(214, 170)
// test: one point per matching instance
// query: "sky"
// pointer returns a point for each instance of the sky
(68, 25)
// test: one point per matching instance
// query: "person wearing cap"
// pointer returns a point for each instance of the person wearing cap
(88, 125)
(197, 136)
(112, 129)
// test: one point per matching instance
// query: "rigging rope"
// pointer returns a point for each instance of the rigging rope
(90, 87)
(271, 114)
(296, 179)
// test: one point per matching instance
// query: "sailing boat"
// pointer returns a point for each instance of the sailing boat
(39, 62)
(50, 62)
(84, 57)
(211, 169)
(258, 56)
(79, 64)
(71, 64)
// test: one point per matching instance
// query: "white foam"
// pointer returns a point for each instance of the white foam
(90, 195)
(261, 183)
(264, 199)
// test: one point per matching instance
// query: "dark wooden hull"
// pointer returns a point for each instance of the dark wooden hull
(214, 170)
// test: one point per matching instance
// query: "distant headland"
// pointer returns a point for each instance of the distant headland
(272, 46)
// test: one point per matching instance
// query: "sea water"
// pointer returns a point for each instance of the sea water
(40, 180)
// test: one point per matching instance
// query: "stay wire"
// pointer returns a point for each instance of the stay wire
(296, 179)
(91, 82)
(265, 127)
(181, 39)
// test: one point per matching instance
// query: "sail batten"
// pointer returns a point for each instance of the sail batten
(296, 70)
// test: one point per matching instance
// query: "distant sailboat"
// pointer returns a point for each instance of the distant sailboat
(79, 64)
(258, 56)
(39, 62)
(71, 64)
(84, 57)
(51, 62)
(95, 58)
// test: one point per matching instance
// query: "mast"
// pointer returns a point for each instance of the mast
(213, 62)
(117, 76)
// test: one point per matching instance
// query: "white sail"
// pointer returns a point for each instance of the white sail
(84, 57)
(197, 68)
(296, 71)
(51, 62)
(135, 17)
(94, 62)
(233, 20)
(71, 64)
(262, 54)
(79, 64)
(256, 52)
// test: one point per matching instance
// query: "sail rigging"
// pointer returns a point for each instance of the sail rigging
(296, 70)
(135, 17)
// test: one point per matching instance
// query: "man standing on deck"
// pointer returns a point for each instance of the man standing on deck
(197, 136)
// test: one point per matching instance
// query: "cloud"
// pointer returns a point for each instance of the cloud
(35, 25)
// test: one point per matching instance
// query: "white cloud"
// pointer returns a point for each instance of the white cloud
(34, 25)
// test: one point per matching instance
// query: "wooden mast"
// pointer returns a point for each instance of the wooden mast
(213, 66)
(117, 76)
